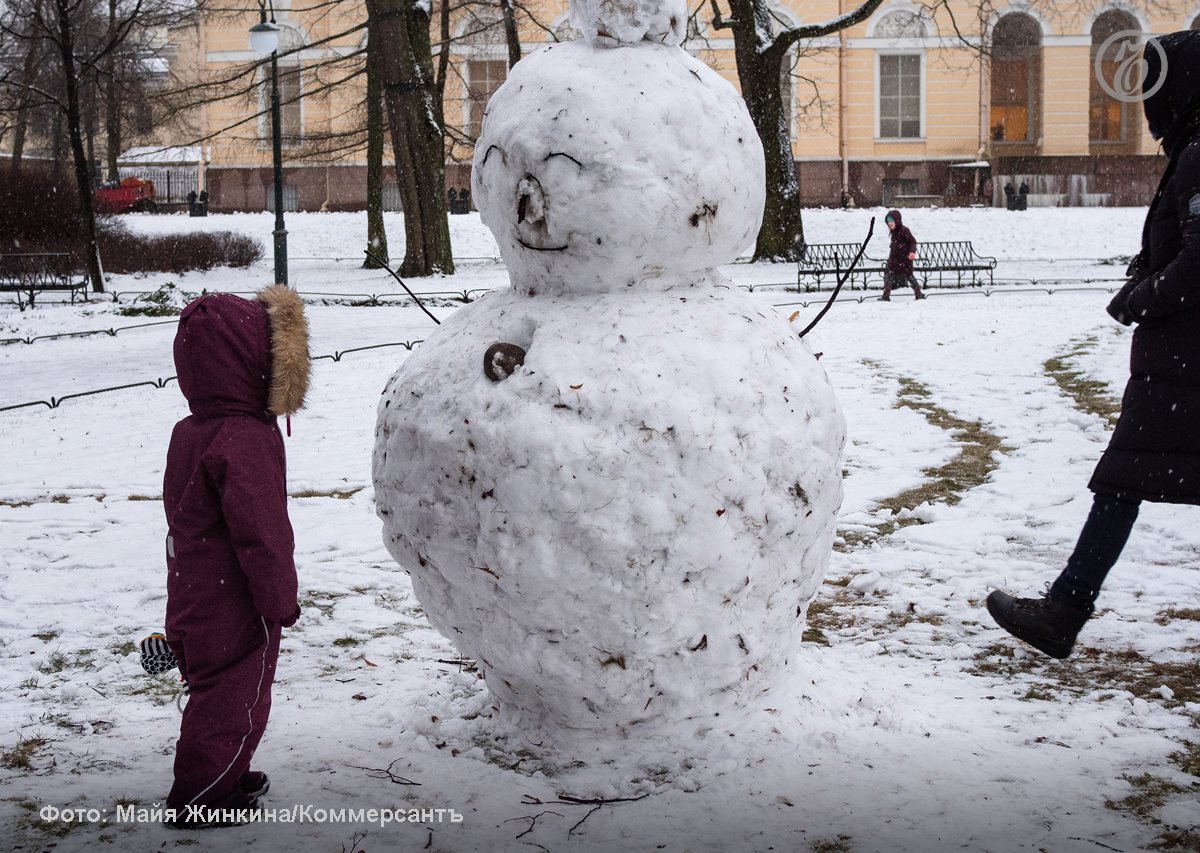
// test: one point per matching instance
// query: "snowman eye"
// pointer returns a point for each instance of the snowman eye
(488, 154)
(561, 154)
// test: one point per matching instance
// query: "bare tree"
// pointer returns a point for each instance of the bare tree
(760, 54)
(69, 48)
(376, 233)
(400, 29)
(512, 38)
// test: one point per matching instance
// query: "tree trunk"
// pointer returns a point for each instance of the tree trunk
(83, 173)
(400, 31)
(376, 234)
(58, 149)
(511, 37)
(21, 122)
(112, 102)
(782, 234)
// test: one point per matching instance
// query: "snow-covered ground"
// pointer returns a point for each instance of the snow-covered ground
(911, 722)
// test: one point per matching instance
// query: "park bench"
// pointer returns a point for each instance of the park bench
(30, 274)
(956, 257)
(826, 260)
(822, 260)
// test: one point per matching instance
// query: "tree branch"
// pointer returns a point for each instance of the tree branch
(787, 38)
(719, 22)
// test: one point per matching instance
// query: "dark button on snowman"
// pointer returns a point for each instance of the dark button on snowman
(623, 510)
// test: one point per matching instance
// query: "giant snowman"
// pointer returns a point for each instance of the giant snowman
(615, 483)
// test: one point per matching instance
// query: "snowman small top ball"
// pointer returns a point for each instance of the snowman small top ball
(600, 169)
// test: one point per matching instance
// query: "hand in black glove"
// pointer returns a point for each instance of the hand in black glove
(1143, 303)
(1118, 309)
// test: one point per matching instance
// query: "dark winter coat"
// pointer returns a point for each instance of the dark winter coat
(1154, 453)
(231, 579)
(903, 245)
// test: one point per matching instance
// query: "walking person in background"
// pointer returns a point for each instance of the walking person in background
(899, 269)
(231, 578)
(1153, 454)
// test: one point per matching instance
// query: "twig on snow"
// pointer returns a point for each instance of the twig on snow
(596, 803)
(386, 773)
(532, 821)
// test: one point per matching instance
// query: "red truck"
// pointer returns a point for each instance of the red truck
(130, 195)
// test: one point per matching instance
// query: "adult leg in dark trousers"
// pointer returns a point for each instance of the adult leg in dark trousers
(1051, 623)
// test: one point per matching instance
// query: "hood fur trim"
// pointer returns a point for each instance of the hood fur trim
(290, 363)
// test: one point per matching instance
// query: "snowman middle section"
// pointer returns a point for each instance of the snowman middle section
(630, 527)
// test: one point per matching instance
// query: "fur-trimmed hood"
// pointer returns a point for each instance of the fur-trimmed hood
(237, 356)
(290, 363)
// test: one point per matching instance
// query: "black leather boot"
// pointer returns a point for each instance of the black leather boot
(1049, 624)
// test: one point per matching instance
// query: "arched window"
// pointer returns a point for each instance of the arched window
(1108, 117)
(903, 23)
(1016, 79)
(482, 32)
(291, 90)
(900, 75)
(1196, 23)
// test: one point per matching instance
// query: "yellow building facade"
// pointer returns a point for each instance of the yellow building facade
(909, 107)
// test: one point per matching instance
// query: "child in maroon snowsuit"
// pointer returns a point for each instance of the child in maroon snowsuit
(899, 269)
(231, 579)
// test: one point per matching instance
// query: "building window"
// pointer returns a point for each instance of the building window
(902, 23)
(1109, 118)
(143, 117)
(291, 91)
(900, 96)
(484, 77)
(392, 200)
(481, 37)
(1016, 79)
(291, 112)
(895, 188)
(1196, 23)
(291, 198)
(900, 104)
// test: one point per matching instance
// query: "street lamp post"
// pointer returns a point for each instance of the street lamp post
(264, 40)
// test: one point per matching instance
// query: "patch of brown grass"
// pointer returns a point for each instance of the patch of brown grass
(1091, 669)
(20, 757)
(1191, 614)
(1088, 395)
(945, 484)
(339, 494)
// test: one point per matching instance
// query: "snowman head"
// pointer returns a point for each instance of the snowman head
(602, 169)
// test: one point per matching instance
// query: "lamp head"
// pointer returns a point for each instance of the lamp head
(264, 38)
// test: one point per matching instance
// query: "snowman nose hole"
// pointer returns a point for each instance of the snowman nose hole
(531, 201)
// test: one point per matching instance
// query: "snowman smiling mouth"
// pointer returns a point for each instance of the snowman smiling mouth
(532, 231)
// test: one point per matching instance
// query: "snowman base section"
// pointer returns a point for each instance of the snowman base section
(629, 528)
